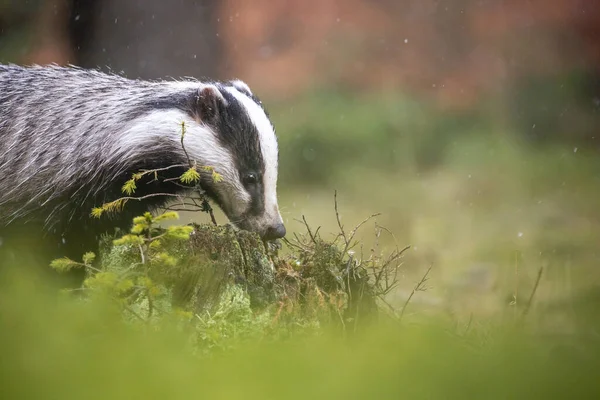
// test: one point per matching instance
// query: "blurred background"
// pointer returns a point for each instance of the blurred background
(470, 125)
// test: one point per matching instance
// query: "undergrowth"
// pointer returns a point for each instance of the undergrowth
(155, 275)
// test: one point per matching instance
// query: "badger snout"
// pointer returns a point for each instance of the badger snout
(276, 231)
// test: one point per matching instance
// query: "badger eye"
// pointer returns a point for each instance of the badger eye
(250, 179)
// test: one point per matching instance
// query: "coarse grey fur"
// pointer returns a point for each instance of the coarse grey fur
(70, 138)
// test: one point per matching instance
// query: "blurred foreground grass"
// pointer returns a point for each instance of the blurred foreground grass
(56, 348)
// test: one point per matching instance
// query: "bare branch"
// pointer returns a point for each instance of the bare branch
(533, 291)
(339, 221)
(353, 232)
(312, 237)
(419, 287)
(183, 146)
(134, 313)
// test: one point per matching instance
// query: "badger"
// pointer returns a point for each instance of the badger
(70, 137)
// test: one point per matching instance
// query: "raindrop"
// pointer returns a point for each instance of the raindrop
(265, 51)
(533, 127)
(575, 150)
(405, 40)
(77, 17)
(520, 234)
(337, 20)
(309, 154)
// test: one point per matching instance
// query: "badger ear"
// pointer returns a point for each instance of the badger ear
(208, 104)
(241, 86)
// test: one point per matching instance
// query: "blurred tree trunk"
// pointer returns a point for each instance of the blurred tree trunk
(147, 39)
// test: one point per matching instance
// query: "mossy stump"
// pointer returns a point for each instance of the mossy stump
(216, 257)
(312, 283)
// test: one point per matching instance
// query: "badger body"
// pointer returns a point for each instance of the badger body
(70, 138)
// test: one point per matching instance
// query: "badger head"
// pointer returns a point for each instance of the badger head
(239, 142)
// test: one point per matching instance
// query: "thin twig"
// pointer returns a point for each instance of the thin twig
(389, 232)
(134, 313)
(183, 146)
(206, 206)
(312, 237)
(469, 324)
(148, 171)
(289, 243)
(337, 217)
(143, 255)
(419, 287)
(353, 232)
(533, 291)
(127, 198)
(174, 208)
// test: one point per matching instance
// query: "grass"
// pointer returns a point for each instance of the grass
(62, 349)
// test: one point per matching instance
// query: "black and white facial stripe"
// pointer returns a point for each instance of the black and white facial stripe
(70, 136)
(239, 141)
(243, 128)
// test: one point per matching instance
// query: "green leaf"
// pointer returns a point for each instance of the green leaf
(164, 259)
(166, 216)
(129, 187)
(155, 244)
(102, 280)
(216, 177)
(179, 232)
(114, 206)
(64, 264)
(129, 239)
(183, 130)
(190, 176)
(139, 228)
(89, 258)
(124, 285)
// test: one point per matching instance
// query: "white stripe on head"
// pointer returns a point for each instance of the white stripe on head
(268, 146)
(201, 143)
(241, 86)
